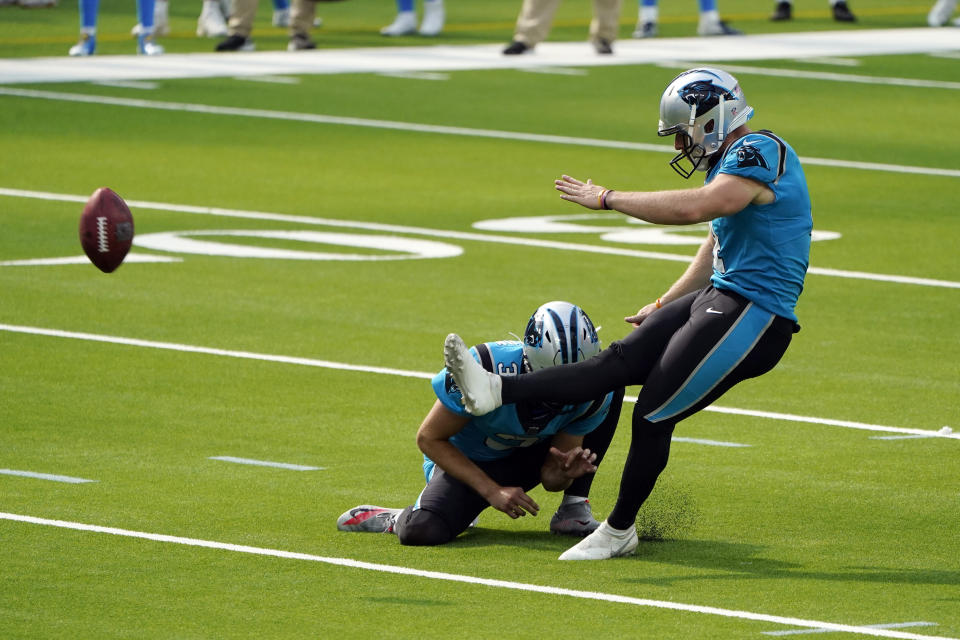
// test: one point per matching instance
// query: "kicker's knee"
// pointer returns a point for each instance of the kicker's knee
(421, 528)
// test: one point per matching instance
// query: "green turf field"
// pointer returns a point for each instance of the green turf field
(842, 512)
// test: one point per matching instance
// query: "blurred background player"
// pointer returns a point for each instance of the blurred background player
(472, 463)
(405, 23)
(161, 20)
(302, 18)
(89, 12)
(240, 22)
(941, 12)
(710, 23)
(841, 12)
(212, 22)
(536, 18)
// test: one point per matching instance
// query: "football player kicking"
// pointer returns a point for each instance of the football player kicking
(471, 463)
(729, 317)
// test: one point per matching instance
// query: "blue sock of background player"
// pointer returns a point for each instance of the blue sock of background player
(89, 9)
(89, 12)
(145, 43)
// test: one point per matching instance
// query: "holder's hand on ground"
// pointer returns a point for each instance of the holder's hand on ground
(575, 462)
(513, 502)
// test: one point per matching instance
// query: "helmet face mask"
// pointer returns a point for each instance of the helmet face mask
(703, 106)
(558, 333)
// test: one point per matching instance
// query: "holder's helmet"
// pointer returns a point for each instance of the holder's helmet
(558, 333)
(703, 106)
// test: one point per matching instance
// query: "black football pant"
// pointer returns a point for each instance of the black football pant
(686, 355)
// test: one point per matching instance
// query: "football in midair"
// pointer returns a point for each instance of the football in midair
(106, 229)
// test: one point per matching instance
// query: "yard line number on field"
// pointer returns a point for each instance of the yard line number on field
(437, 233)
(452, 577)
(327, 364)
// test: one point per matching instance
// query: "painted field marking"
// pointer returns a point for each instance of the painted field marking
(128, 84)
(327, 364)
(834, 62)
(893, 625)
(44, 476)
(456, 235)
(451, 58)
(488, 582)
(53, 262)
(557, 71)
(316, 118)
(266, 463)
(416, 75)
(848, 424)
(270, 79)
(711, 443)
(829, 76)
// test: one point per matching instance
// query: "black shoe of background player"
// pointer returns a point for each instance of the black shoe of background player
(301, 42)
(236, 43)
(783, 11)
(842, 13)
(515, 48)
(602, 46)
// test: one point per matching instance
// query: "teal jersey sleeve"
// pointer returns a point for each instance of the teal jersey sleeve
(754, 156)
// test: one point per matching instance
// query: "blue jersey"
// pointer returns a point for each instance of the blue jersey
(763, 251)
(494, 435)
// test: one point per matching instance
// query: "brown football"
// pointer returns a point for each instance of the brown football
(106, 229)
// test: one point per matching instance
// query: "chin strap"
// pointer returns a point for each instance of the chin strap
(722, 130)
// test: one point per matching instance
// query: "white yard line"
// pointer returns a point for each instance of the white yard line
(327, 364)
(449, 58)
(464, 579)
(709, 443)
(316, 118)
(889, 625)
(44, 476)
(440, 233)
(799, 74)
(266, 463)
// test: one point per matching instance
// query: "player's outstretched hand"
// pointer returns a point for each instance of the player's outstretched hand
(583, 193)
(575, 462)
(513, 502)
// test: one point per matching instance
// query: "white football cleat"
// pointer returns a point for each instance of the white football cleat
(403, 25)
(604, 543)
(147, 47)
(480, 388)
(86, 46)
(433, 18)
(711, 27)
(211, 23)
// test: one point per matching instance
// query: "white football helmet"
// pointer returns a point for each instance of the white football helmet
(703, 105)
(558, 333)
